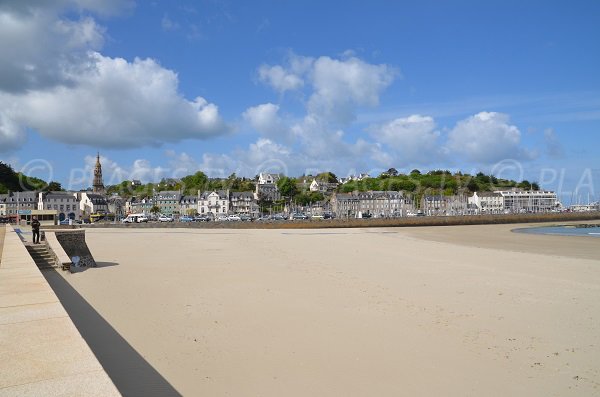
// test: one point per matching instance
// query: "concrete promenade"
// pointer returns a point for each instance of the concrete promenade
(41, 351)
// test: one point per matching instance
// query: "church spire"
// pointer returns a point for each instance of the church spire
(98, 183)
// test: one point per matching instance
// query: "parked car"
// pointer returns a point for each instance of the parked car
(328, 215)
(164, 218)
(186, 219)
(234, 217)
(245, 217)
(317, 217)
(278, 217)
(366, 216)
(201, 218)
(299, 216)
(222, 217)
(264, 218)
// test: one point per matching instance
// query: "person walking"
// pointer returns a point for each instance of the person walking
(35, 227)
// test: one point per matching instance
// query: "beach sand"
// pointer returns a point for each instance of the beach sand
(437, 311)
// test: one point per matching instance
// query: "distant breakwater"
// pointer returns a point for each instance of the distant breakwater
(361, 223)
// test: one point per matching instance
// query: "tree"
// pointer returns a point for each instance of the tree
(327, 177)
(473, 186)
(53, 187)
(287, 187)
(415, 172)
(155, 209)
(193, 183)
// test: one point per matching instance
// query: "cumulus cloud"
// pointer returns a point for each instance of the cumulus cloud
(413, 139)
(11, 133)
(341, 85)
(265, 119)
(57, 83)
(337, 86)
(486, 137)
(279, 79)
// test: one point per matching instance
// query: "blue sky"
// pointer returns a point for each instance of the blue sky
(164, 88)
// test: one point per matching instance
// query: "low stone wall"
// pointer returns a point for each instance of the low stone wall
(375, 222)
(41, 351)
(73, 243)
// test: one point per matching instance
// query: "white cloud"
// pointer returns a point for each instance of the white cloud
(119, 103)
(265, 119)
(341, 85)
(338, 86)
(12, 134)
(487, 138)
(59, 85)
(168, 24)
(413, 140)
(279, 79)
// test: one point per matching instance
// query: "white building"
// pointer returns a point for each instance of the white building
(322, 187)
(265, 178)
(91, 203)
(488, 202)
(215, 202)
(66, 204)
(529, 201)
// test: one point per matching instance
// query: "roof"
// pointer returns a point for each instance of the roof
(242, 194)
(223, 194)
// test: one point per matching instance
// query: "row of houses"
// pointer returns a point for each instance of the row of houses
(393, 204)
(86, 205)
(61, 205)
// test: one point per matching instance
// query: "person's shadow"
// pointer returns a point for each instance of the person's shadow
(129, 371)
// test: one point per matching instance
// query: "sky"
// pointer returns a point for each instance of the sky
(166, 88)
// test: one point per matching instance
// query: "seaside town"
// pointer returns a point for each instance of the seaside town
(276, 197)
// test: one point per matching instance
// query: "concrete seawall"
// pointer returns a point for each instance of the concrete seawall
(41, 351)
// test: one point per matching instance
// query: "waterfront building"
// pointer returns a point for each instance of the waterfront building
(188, 205)
(379, 204)
(65, 204)
(214, 202)
(435, 205)
(168, 202)
(137, 205)
(91, 204)
(529, 201)
(116, 207)
(243, 203)
(19, 202)
(488, 202)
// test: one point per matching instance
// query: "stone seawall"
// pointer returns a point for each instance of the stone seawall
(376, 222)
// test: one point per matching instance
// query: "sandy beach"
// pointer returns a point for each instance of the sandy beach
(432, 311)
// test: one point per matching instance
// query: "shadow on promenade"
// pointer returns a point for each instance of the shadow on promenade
(128, 370)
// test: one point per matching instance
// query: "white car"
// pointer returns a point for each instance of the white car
(164, 218)
(222, 218)
(234, 218)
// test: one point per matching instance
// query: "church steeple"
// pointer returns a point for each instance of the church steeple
(98, 184)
